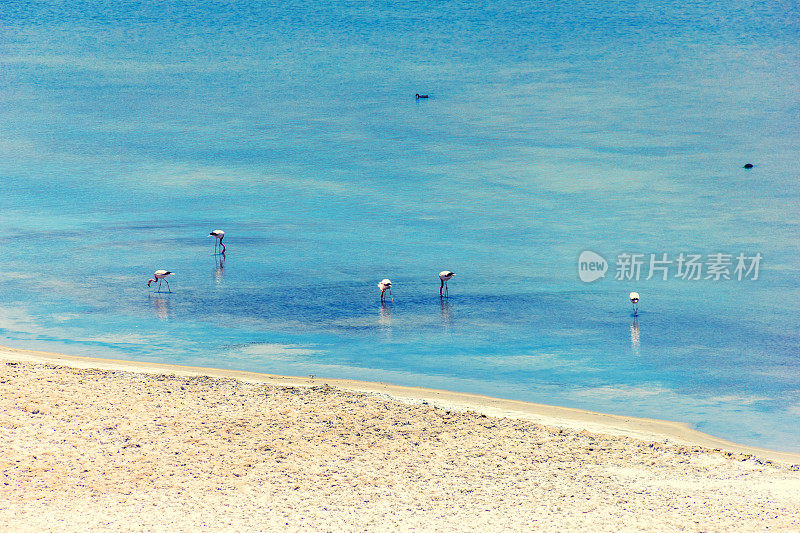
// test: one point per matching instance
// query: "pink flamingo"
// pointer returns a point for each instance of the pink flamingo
(445, 275)
(219, 235)
(385, 285)
(158, 275)
(634, 298)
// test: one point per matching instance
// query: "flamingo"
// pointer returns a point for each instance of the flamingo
(158, 275)
(445, 275)
(385, 285)
(219, 235)
(634, 297)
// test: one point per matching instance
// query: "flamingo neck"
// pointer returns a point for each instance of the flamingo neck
(220, 242)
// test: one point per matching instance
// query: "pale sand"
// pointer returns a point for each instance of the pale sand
(91, 444)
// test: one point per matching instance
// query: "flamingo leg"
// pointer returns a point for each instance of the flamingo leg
(168, 289)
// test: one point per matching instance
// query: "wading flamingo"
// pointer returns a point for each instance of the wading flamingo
(445, 275)
(219, 235)
(159, 275)
(385, 285)
(634, 296)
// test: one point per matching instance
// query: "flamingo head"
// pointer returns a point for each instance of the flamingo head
(149, 281)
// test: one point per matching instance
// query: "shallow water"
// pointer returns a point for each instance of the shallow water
(127, 134)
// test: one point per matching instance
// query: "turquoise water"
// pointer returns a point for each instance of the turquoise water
(128, 133)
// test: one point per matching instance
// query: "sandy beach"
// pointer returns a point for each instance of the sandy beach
(92, 444)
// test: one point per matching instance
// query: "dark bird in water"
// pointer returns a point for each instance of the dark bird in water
(748, 165)
(421, 96)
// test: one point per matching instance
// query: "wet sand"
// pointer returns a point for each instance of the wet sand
(123, 446)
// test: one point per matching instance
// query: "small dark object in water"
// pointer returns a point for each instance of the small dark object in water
(748, 165)
(421, 96)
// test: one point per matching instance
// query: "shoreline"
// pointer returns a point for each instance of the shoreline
(108, 445)
(645, 429)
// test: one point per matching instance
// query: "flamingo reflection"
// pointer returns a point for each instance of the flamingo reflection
(385, 321)
(161, 306)
(447, 314)
(384, 315)
(635, 337)
(219, 267)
